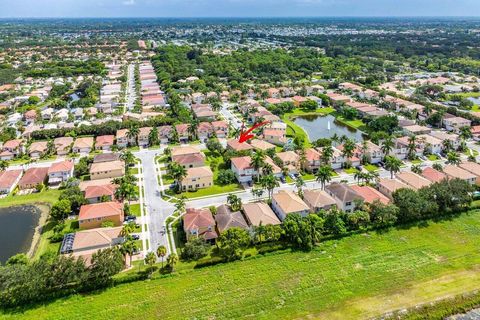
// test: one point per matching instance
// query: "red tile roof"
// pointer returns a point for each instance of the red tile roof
(370, 194)
(98, 191)
(33, 176)
(98, 210)
(64, 166)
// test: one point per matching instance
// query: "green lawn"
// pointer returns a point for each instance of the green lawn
(48, 196)
(135, 210)
(416, 161)
(432, 157)
(361, 276)
(211, 191)
(133, 170)
(356, 123)
(370, 167)
(350, 170)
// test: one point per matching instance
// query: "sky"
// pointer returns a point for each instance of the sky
(236, 8)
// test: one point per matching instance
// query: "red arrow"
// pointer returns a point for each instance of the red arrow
(246, 135)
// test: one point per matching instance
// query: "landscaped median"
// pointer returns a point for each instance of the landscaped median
(360, 276)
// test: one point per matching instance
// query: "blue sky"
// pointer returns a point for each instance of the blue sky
(235, 8)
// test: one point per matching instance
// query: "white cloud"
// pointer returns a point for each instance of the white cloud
(128, 2)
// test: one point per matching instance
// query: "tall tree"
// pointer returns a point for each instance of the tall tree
(323, 175)
(393, 165)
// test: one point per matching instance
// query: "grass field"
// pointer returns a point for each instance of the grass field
(356, 277)
(48, 196)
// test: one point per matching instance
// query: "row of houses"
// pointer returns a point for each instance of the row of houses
(201, 222)
(151, 95)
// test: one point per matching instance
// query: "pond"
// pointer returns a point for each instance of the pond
(325, 126)
(18, 226)
(474, 100)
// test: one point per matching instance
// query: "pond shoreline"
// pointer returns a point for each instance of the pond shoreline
(37, 234)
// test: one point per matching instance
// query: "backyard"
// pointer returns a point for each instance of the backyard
(360, 276)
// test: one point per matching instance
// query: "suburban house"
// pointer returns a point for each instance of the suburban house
(227, 219)
(276, 170)
(197, 178)
(389, 186)
(104, 143)
(38, 149)
(60, 172)
(261, 145)
(104, 170)
(287, 202)
(11, 149)
(370, 151)
(472, 167)
(400, 149)
(122, 138)
(144, 136)
(433, 175)
(452, 137)
(344, 196)
(63, 145)
(165, 134)
(87, 242)
(106, 157)
(199, 223)
(456, 172)
(9, 180)
(95, 194)
(429, 144)
(243, 169)
(182, 132)
(276, 137)
(416, 129)
(455, 123)
(337, 160)
(413, 180)
(93, 215)
(83, 145)
(312, 160)
(290, 160)
(318, 200)
(220, 128)
(188, 157)
(33, 177)
(369, 194)
(204, 131)
(237, 146)
(259, 213)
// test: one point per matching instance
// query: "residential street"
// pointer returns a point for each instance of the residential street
(157, 209)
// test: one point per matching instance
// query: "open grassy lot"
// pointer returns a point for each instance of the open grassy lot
(135, 210)
(356, 277)
(48, 196)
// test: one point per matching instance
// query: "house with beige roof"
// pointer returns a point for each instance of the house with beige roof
(197, 178)
(63, 145)
(143, 136)
(33, 177)
(188, 157)
(38, 149)
(312, 160)
(12, 149)
(456, 123)
(413, 180)
(454, 172)
(83, 145)
(471, 167)
(165, 134)
(183, 132)
(344, 196)
(261, 145)
(237, 146)
(93, 215)
(287, 202)
(227, 219)
(290, 160)
(259, 213)
(318, 200)
(389, 186)
(122, 138)
(107, 170)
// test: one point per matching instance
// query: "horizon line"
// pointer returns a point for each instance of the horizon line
(240, 17)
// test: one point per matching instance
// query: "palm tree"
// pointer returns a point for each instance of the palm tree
(129, 247)
(369, 176)
(437, 166)
(153, 139)
(453, 158)
(127, 229)
(125, 191)
(416, 169)
(150, 259)
(447, 145)
(192, 128)
(324, 175)
(359, 175)
(387, 145)
(299, 184)
(161, 253)
(177, 172)
(180, 205)
(267, 169)
(327, 154)
(348, 150)
(234, 201)
(172, 260)
(466, 133)
(127, 157)
(3, 165)
(270, 183)
(393, 165)
(412, 147)
(335, 138)
(132, 133)
(257, 161)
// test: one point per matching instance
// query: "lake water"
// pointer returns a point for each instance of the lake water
(474, 100)
(317, 126)
(18, 226)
